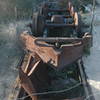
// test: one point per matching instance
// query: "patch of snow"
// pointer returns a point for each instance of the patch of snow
(10, 54)
(92, 62)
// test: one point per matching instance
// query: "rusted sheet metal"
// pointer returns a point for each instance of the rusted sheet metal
(31, 62)
(27, 84)
(55, 57)
(76, 19)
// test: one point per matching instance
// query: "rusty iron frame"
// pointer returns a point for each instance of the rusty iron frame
(40, 49)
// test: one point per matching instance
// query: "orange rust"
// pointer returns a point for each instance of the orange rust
(66, 55)
(35, 75)
(27, 84)
(58, 58)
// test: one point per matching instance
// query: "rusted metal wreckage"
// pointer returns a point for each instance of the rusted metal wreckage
(52, 66)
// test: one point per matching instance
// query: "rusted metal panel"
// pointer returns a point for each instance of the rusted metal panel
(58, 58)
(27, 84)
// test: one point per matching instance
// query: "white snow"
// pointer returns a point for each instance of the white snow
(10, 54)
(92, 62)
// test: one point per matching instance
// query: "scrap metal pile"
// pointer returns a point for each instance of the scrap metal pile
(52, 67)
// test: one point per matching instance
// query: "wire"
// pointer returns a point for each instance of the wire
(50, 92)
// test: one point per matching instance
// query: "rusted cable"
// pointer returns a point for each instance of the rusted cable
(50, 92)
